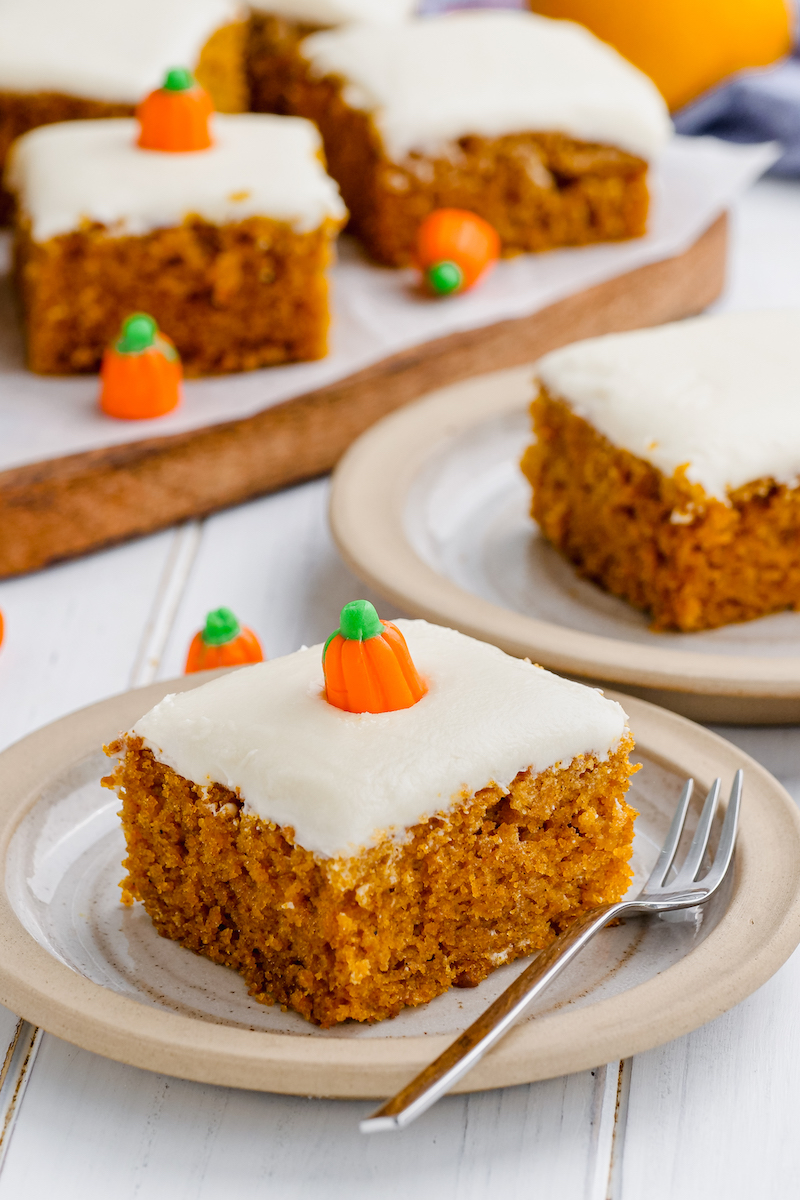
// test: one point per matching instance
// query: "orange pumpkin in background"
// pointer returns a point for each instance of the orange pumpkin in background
(685, 46)
(175, 117)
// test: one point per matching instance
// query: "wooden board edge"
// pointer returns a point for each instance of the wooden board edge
(70, 506)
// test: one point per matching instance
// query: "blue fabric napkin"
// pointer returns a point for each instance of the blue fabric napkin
(753, 106)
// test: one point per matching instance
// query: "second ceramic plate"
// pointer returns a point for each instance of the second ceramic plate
(431, 509)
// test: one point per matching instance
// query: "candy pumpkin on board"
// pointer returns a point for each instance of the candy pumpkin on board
(455, 248)
(685, 46)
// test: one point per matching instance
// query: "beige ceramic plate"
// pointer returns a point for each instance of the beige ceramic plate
(430, 507)
(75, 961)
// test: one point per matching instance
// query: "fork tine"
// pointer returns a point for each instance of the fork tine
(665, 858)
(727, 837)
(694, 859)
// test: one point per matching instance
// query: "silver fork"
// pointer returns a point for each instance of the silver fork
(657, 896)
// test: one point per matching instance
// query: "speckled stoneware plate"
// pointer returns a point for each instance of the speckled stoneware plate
(77, 962)
(430, 507)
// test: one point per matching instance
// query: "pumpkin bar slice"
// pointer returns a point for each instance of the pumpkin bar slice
(533, 124)
(225, 247)
(666, 466)
(95, 58)
(350, 863)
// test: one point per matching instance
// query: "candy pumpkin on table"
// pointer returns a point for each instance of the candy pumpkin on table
(222, 642)
(685, 46)
(367, 665)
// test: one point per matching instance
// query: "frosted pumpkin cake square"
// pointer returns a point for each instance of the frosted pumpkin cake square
(534, 125)
(358, 835)
(226, 245)
(67, 61)
(666, 466)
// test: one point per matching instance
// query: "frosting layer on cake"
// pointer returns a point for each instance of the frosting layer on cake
(79, 171)
(103, 49)
(337, 12)
(717, 394)
(343, 780)
(431, 80)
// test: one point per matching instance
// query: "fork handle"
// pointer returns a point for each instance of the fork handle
(460, 1057)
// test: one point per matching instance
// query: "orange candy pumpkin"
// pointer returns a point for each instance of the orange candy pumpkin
(367, 664)
(222, 642)
(141, 373)
(174, 118)
(454, 249)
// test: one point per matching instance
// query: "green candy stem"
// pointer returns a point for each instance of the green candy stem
(178, 80)
(138, 333)
(358, 622)
(445, 277)
(221, 627)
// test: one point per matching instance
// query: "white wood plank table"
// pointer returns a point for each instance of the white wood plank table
(714, 1114)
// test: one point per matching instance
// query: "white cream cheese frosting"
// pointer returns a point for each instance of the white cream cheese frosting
(259, 165)
(719, 393)
(342, 780)
(337, 12)
(435, 79)
(114, 50)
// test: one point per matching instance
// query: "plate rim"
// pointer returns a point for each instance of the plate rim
(367, 507)
(763, 915)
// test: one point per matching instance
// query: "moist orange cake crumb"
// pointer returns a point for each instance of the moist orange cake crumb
(274, 62)
(362, 938)
(233, 297)
(277, 874)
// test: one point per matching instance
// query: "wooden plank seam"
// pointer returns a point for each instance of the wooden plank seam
(614, 1188)
(603, 1125)
(169, 594)
(14, 1076)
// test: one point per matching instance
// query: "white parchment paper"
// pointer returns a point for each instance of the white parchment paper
(377, 312)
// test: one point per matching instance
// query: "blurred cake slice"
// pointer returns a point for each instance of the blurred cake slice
(277, 28)
(535, 125)
(226, 247)
(666, 466)
(64, 60)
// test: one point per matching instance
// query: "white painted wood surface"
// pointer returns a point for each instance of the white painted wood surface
(712, 1115)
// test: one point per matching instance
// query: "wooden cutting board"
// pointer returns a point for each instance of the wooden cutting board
(64, 507)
